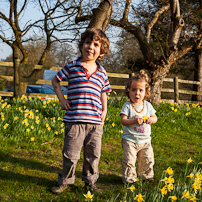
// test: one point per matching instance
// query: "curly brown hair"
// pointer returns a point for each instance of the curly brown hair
(142, 76)
(97, 35)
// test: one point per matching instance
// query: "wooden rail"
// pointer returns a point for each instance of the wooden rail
(175, 90)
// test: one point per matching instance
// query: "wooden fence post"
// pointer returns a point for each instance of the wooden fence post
(131, 74)
(176, 89)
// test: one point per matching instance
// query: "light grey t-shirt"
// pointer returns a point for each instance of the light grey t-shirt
(137, 133)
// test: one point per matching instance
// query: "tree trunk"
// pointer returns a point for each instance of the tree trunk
(16, 66)
(198, 68)
(155, 94)
(101, 15)
(198, 75)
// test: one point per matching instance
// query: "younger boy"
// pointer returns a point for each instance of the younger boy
(86, 109)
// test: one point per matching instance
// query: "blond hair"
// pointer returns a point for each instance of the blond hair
(142, 76)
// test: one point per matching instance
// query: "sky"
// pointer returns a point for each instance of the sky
(30, 14)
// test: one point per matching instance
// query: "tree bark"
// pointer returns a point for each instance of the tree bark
(198, 67)
(16, 66)
(101, 15)
(198, 75)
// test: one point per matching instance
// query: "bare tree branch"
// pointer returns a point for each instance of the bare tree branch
(126, 10)
(154, 20)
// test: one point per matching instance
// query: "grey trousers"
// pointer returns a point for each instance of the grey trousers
(78, 135)
(144, 153)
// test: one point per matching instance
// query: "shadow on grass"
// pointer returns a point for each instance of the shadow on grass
(11, 176)
(27, 163)
(110, 179)
(9, 172)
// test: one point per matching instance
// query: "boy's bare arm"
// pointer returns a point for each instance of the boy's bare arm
(104, 106)
(57, 88)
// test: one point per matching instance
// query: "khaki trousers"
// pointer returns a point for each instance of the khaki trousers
(78, 135)
(144, 153)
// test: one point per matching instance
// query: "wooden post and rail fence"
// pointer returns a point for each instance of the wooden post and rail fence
(175, 91)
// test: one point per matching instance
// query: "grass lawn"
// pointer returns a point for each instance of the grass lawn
(31, 143)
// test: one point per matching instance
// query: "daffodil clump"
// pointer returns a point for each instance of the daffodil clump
(168, 189)
(190, 190)
(30, 121)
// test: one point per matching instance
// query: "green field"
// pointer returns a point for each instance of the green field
(31, 144)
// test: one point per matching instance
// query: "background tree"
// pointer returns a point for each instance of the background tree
(54, 25)
(172, 47)
(198, 56)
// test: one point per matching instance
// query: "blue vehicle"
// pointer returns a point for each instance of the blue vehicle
(45, 89)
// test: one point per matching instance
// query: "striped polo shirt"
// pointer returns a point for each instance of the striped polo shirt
(84, 92)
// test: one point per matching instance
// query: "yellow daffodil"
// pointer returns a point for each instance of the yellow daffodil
(37, 121)
(132, 188)
(169, 180)
(193, 198)
(139, 198)
(145, 118)
(6, 125)
(186, 194)
(88, 196)
(163, 191)
(191, 175)
(169, 170)
(173, 198)
(198, 176)
(196, 186)
(169, 187)
(189, 160)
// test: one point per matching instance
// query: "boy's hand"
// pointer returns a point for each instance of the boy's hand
(65, 104)
(103, 116)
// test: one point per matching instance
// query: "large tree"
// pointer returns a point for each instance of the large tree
(175, 45)
(54, 24)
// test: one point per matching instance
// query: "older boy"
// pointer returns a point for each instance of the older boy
(86, 109)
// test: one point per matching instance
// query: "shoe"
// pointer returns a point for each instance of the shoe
(92, 187)
(57, 189)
